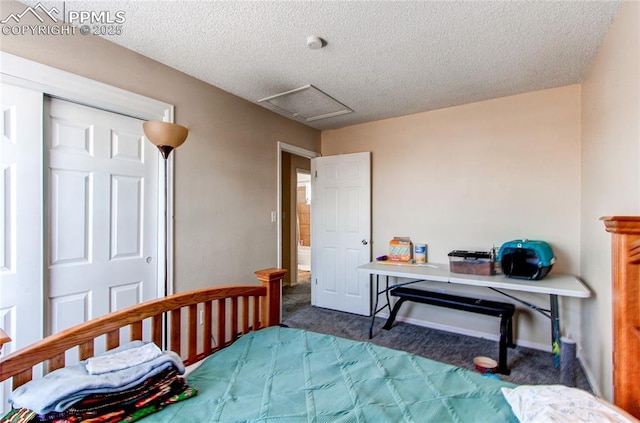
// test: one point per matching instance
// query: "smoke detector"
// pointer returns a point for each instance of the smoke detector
(314, 42)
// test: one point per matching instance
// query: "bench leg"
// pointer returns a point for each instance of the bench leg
(392, 315)
(510, 342)
(505, 326)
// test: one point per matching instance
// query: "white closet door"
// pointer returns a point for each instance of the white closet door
(20, 218)
(102, 218)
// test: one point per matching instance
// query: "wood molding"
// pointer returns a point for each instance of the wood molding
(36, 76)
(622, 224)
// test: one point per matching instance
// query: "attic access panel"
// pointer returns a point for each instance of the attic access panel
(308, 103)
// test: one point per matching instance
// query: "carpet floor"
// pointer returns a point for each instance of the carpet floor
(528, 366)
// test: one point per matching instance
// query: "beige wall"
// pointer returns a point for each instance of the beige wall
(225, 184)
(610, 174)
(474, 176)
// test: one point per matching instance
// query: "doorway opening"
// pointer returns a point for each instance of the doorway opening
(294, 228)
(303, 222)
(298, 295)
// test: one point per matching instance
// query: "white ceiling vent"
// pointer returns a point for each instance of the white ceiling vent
(307, 103)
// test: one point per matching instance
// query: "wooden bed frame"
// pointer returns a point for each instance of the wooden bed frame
(250, 308)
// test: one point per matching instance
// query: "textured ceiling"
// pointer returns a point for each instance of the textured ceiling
(382, 58)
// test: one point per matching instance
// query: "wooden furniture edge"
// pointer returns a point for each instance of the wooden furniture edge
(271, 279)
(622, 224)
(240, 309)
(4, 338)
(625, 295)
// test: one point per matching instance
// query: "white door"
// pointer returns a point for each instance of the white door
(101, 228)
(20, 219)
(341, 231)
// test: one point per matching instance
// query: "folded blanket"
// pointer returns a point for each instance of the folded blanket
(123, 359)
(62, 388)
(97, 404)
(23, 415)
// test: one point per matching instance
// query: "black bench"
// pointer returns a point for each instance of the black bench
(504, 311)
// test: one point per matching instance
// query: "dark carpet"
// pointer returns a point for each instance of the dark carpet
(528, 366)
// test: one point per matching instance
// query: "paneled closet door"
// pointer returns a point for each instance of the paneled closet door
(101, 226)
(20, 218)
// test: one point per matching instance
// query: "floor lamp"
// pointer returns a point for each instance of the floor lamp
(166, 136)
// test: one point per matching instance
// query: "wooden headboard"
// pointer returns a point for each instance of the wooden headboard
(625, 252)
(190, 316)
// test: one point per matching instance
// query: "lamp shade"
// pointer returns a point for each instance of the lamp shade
(165, 134)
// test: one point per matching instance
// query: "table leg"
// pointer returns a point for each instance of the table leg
(375, 307)
(555, 330)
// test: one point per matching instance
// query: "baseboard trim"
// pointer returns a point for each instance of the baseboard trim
(588, 373)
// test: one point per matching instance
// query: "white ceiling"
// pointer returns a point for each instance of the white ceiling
(382, 58)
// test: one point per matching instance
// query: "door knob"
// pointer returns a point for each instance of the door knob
(364, 242)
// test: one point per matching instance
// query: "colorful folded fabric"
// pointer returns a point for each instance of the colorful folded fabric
(107, 410)
(19, 415)
(133, 414)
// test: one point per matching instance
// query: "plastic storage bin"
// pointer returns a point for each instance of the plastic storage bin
(471, 262)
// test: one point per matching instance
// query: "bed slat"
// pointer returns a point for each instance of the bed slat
(85, 350)
(206, 331)
(174, 336)
(245, 315)
(21, 378)
(234, 319)
(192, 344)
(113, 339)
(156, 329)
(222, 324)
(136, 331)
(256, 313)
(56, 362)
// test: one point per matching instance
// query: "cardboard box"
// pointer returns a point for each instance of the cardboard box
(400, 249)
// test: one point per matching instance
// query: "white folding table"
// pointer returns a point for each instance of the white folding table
(554, 285)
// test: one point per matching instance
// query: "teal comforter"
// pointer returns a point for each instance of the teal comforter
(291, 375)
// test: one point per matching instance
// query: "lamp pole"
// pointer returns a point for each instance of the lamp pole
(165, 151)
(165, 291)
(166, 137)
